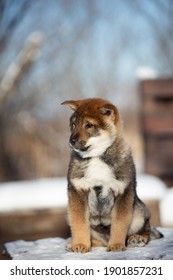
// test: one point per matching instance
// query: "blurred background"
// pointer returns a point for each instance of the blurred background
(51, 51)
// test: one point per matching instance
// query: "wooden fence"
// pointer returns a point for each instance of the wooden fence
(157, 127)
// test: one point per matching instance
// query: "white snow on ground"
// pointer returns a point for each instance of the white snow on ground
(55, 249)
(47, 193)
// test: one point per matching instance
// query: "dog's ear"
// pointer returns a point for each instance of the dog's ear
(106, 111)
(109, 110)
(72, 104)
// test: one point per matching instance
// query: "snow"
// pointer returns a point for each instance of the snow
(54, 249)
(166, 208)
(150, 187)
(35, 194)
(47, 193)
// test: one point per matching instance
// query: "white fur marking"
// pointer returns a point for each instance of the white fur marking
(137, 222)
(98, 144)
(80, 183)
(99, 173)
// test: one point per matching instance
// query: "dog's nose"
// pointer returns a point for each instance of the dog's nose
(72, 141)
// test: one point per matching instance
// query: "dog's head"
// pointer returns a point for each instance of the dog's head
(95, 124)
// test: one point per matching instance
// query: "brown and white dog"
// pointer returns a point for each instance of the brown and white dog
(104, 209)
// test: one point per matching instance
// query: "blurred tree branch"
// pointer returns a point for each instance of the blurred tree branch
(18, 68)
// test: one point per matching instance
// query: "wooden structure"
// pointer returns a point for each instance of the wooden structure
(32, 224)
(157, 127)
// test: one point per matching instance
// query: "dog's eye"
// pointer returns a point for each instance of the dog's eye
(88, 125)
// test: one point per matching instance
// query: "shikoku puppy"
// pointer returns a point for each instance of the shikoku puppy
(103, 209)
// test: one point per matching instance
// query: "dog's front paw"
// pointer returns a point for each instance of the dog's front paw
(116, 248)
(80, 248)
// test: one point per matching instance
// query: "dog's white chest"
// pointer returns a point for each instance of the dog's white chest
(99, 173)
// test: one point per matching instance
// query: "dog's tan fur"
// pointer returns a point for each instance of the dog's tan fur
(104, 209)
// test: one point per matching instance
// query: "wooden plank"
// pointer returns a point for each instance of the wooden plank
(152, 106)
(159, 157)
(154, 125)
(159, 153)
(162, 88)
(33, 224)
(157, 127)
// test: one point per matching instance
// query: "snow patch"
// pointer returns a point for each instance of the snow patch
(55, 249)
(35, 194)
(150, 187)
(166, 209)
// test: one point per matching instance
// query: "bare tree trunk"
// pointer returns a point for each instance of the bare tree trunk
(18, 68)
(14, 75)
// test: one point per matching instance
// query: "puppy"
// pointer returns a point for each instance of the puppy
(103, 208)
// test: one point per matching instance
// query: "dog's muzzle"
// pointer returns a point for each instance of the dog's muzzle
(78, 145)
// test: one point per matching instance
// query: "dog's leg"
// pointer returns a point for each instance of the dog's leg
(121, 218)
(79, 222)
